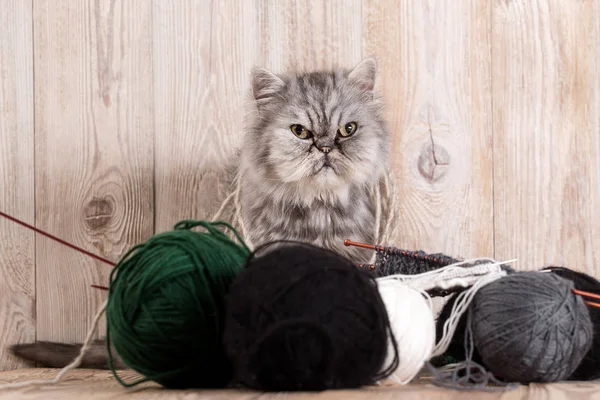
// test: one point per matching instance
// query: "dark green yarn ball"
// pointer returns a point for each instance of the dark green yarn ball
(165, 309)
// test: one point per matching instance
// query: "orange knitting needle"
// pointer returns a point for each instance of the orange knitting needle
(586, 294)
(349, 242)
(589, 303)
(56, 239)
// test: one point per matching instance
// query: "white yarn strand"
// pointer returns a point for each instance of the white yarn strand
(74, 364)
(217, 215)
(235, 195)
(451, 275)
(238, 211)
(461, 305)
(390, 197)
(378, 213)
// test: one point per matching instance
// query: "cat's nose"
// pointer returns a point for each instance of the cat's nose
(324, 149)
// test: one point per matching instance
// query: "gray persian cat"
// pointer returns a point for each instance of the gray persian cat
(315, 153)
(312, 166)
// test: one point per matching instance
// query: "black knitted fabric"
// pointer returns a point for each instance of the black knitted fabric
(392, 261)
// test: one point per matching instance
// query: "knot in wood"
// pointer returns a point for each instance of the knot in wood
(433, 162)
(98, 212)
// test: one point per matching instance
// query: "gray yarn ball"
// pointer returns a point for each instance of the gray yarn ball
(530, 327)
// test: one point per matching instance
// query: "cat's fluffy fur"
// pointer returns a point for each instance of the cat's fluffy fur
(317, 190)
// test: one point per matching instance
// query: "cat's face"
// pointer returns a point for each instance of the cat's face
(319, 129)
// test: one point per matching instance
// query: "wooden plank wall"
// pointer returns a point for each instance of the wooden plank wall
(118, 117)
(17, 246)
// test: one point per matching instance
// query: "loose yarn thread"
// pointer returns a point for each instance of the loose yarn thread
(461, 305)
(468, 374)
(74, 364)
(458, 348)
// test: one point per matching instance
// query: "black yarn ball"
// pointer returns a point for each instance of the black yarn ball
(300, 317)
(589, 369)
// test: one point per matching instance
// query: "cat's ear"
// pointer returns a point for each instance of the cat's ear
(265, 84)
(364, 74)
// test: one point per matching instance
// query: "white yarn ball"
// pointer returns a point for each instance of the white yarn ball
(413, 325)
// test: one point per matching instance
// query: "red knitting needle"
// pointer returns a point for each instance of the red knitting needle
(589, 303)
(79, 249)
(349, 242)
(588, 294)
(63, 242)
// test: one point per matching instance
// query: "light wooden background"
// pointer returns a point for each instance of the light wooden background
(117, 116)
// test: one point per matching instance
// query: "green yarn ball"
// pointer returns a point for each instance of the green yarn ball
(165, 308)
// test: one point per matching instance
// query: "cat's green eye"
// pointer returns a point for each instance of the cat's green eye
(348, 130)
(300, 131)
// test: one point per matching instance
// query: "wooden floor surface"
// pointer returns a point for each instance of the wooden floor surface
(96, 385)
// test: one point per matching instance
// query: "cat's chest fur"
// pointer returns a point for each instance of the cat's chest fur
(323, 222)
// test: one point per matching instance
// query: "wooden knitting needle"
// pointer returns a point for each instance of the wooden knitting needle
(588, 294)
(59, 240)
(349, 242)
(589, 303)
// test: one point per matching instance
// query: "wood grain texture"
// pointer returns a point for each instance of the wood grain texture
(96, 385)
(546, 133)
(204, 51)
(17, 251)
(94, 150)
(435, 64)
(305, 35)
